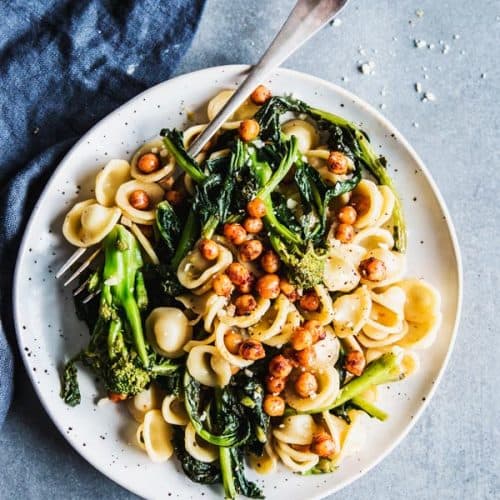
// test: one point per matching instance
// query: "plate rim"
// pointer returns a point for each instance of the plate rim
(237, 69)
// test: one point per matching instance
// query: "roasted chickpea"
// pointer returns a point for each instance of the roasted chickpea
(373, 269)
(305, 358)
(309, 301)
(253, 225)
(337, 162)
(148, 163)
(344, 233)
(245, 304)
(235, 233)
(360, 203)
(250, 250)
(306, 385)
(248, 285)
(233, 341)
(222, 285)
(252, 350)
(279, 366)
(354, 362)
(347, 215)
(208, 249)
(256, 208)
(301, 338)
(323, 445)
(268, 286)
(174, 197)
(139, 199)
(270, 261)
(275, 385)
(248, 130)
(116, 397)
(288, 290)
(317, 330)
(260, 95)
(238, 273)
(274, 406)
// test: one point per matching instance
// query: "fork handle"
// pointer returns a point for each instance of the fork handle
(306, 18)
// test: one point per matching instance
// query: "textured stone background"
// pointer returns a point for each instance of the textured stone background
(453, 451)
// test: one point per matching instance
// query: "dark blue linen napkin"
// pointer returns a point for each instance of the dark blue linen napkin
(63, 66)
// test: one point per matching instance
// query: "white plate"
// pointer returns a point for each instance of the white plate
(48, 331)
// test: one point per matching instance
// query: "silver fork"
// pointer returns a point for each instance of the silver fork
(305, 19)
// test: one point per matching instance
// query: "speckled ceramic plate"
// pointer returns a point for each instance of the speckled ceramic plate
(50, 332)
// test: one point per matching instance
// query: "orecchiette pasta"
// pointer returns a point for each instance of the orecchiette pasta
(87, 223)
(198, 448)
(174, 411)
(306, 133)
(167, 162)
(109, 179)
(208, 367)
(154, 192)
(156, 436)
(168, 330)
(351, 312)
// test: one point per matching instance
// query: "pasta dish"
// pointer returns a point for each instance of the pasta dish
(246, 304)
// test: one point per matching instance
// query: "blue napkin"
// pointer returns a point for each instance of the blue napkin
(63, 66)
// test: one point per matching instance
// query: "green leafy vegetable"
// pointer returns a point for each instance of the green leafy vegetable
(168, 225)
(197, 471)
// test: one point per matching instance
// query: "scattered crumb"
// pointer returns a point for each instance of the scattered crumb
(430, 46)
(336, 22)
(456, 37)
(416, 125)
(483, 75)
(419, 12)
(367, 68)
(382, 106)
(345, 79)
(445, 49)
(418, 87)
(419, 44)
(428, 96)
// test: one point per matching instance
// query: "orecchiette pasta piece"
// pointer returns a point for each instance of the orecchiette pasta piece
(173, 411)
(297, 461)
(146, 245)
(154, 192)
(198, 448)
(369, 207)
(220, 330)
(194, 271)
(139, 437)
(423, 301)
(190, 134)
(325, 314)
(293, 319)
(388, 201)
(296, 429)
(157, 435)
(87, 223)
(207, 306)
(351, 312)
(273, 321)
(341, 268)
(206, 341)
(353, 436)
(245, 111)
(374, 237)
(109, 179)
(305, 132)
(386, 316)
(328, 389)
(384, 338)
(166, 160)
(267, 462)
(327, 350)
(141, 403)
(395, 266)
(409, 363)
(168, 330)
(246, 320)
(207, 366)
(421, 335)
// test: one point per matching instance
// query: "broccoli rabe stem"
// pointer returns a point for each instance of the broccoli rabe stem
(122, 260)
(369, 408)
(383, 370)
(141, 294)
(186, 241)
(372, 161)
(182, 159)
(227, 472)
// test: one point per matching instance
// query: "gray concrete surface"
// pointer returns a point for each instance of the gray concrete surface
(453, 452)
